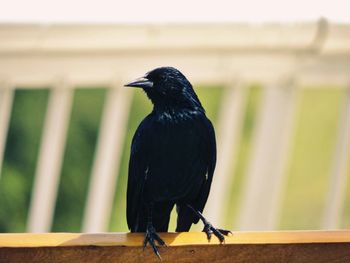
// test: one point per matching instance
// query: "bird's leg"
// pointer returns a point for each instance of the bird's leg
(151, 236)
(209, 229)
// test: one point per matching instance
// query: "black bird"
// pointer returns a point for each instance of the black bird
(172, 161)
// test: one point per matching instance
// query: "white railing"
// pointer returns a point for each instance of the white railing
(284, 58)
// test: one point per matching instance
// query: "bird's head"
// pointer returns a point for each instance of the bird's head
(167, 87)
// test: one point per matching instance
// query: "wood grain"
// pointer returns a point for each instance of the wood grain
(296, 246)
(321, 252)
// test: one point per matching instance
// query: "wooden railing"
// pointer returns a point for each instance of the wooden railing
(257, 247)
(283, 58)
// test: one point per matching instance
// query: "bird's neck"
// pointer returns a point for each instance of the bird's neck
(171, 109)
(171, 114)
(177, 104)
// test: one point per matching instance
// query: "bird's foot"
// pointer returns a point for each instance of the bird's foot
(150, 237)
(209, 229)
(219, 233)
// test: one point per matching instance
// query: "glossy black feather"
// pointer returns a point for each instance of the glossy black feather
(173, 155)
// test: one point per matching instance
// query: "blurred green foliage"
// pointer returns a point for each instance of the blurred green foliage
(21, 151)
(78, 158)
(308, 170)
(310, 161)
(241, 164)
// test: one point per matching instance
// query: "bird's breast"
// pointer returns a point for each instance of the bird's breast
(177, 164)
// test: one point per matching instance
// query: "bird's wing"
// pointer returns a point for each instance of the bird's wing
(137, 174)
(211, 162)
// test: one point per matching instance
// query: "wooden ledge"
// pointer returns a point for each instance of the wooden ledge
(171, 239)
(279, 246)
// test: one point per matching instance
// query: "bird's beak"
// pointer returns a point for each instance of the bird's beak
(140, 83)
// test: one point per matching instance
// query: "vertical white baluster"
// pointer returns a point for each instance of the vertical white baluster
(228, 135)
(6, 98)
(107, 159)
(266, 174)
(340, 168)
(50, 159)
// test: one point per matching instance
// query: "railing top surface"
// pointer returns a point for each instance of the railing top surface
(172, 239)
(95, 55)
(195, 37)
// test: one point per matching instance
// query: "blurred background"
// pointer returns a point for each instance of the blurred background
(273, 76)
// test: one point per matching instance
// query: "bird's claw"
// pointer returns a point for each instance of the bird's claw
(150, 237)
(225, 232)
(219, 233)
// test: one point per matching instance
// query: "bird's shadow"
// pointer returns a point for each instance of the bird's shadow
(136, 239)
